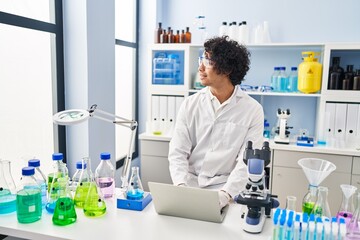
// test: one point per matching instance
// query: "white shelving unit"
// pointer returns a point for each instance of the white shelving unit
(307, 109)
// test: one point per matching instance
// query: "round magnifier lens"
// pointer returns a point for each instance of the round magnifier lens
(70, 117)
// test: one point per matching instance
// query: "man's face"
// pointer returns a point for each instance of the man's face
(207, 72)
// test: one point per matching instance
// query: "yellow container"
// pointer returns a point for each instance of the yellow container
(309, 73)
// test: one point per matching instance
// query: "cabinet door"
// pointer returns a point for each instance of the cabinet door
(355, 181)
(292, 182)
(154, 169)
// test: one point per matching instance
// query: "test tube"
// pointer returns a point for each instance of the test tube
(334, 228)
(297, 227)
(276, 224)
(289, 226)
(304, 227)
(327, 229)
(311, 227)
(342, 228)
(319, 229)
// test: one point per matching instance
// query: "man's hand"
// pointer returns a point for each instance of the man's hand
(224, 198)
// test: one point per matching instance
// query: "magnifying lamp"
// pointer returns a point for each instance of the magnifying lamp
(76, 116)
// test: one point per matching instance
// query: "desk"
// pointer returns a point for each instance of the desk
(125, 224)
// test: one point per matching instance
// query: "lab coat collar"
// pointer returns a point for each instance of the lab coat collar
(238, 94)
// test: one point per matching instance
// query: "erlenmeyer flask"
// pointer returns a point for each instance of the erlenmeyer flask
(135, 189)
(321, 208)
(64, 213)
(353, 230)
(347, 205)
(7, 188)
(82, 182)
(94, 205)
(309, 199)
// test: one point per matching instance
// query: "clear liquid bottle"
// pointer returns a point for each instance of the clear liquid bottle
(353, 229)
(293, 80)
(135, 189)
(81, 183)
(28, 198)
(347, 205)
(40, 178)
(274, 79)
(94, 205)
(7, 188)
(59, 171)
(64, 213)
(309, 199)
(321, 207)
(104, 175)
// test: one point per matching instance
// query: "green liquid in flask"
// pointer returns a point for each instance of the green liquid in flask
(94, 206)
(80, 194)
(308, 207)
(64, 213)
(28, 204)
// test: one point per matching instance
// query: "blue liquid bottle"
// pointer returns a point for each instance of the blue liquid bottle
(282, 80)
(7, 188)
(28, 199)
(293, 80)
(40, 178)
(274, 78)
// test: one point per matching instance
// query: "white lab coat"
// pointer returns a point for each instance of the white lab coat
(207, 151)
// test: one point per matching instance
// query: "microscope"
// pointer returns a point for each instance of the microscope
(282, 130)
(256, 196)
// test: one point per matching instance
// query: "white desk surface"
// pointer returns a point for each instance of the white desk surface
(126, 224)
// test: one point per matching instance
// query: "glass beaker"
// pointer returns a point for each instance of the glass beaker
(64, 213)
(291, 203)
(309, 199)
(353, 230)
(347, 205)
(94, 205)
(135, 189)
(7, 188)
(321, 207)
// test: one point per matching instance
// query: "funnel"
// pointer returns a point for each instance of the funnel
(316, 170)
(348, 190)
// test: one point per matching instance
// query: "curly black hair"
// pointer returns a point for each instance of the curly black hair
(229, 57)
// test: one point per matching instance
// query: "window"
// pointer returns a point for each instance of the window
(31, 81)
(126, 77)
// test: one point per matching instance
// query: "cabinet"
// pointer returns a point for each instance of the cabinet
(308, 111)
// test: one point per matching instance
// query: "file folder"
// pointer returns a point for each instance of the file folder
(351, 123)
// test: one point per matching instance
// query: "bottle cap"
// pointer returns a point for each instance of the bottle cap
(28, 171)
(34, 163)
(244, 22)
(79, 165)
(224, 23)
(105, 156)
(293, 68)
(57, 156)
(266, 124)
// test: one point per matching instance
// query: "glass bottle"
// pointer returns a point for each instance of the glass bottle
(171, 36)
(182, 37)
(94, 205)
(266, 130)
(40, 178)
(59, 171)
(64, 213)
(104, 175)
(321, 207)
(349, 74)
(81, 183)
(293, 80)
(164, 37)
(353, 230)
(291, 203)
(274, 77)
(158, 32)
(7, 188)
(356, 84)
(309, 199)
(79, 174)
(28, 198)
(336, 74)
(347, 205)
(282, 80)
(135, 189)
(187, 35)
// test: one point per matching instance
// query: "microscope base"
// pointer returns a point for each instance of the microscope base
(277, 139)
(254, 228)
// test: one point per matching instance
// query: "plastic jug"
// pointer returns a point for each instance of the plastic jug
(309, 73)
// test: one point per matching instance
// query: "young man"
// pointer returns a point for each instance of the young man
(214, 125)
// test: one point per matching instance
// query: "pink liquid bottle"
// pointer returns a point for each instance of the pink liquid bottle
(347, 205)
(104, 175)
(353, 230)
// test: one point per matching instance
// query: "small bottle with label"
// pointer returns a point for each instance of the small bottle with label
(293, 80)
(104, 175)
(28, 198)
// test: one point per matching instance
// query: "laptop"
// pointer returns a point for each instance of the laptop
(187, 202)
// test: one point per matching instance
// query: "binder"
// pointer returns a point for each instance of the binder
(330, 110)
(358, 123)
(163, 109)
(340, 122)
(155, 108)
(351, 123)
(179, 101)
(171, 112)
